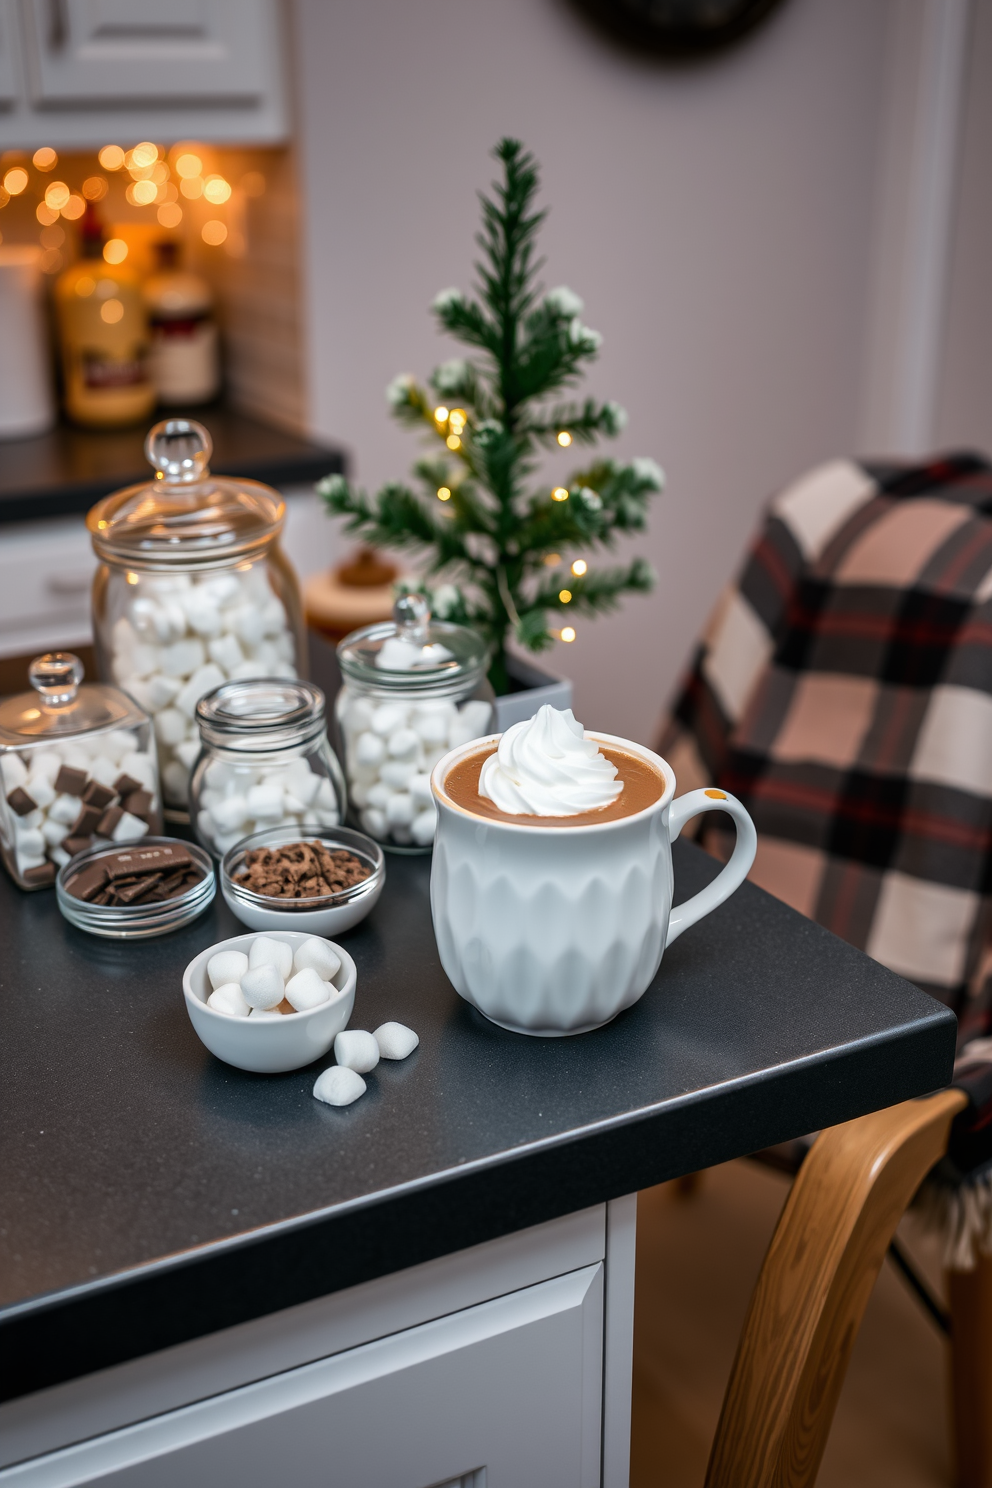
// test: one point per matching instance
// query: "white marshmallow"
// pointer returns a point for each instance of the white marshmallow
(139, 766)
(170, 726)
(42, 793)
(420, 789)
(222, 588)
(30, 843)
(187, 752)
(476, 714)
(224, 841)
(28, 823)
(378, 795)
(220, 776)
(246, 670)
(357, 714)
(306, 990)
(225, 651)
(104, 771)
(339, 1086)
(230, 813)
(74, 757)
(388, 717)
(265, 951)
(265, 1015)
(202, 615)
(44, 764)
(175, 782)
(370, 749)
(161, 691)
(54, 831)
(400, 810)
(397, 774)
(59, 856)
(145, 659)
(433, 729)
(26, 860)
(129, 828)
(395, 1040)
(203, 680)
(403, 744)
(65, 809)
(226, 966)
(262, 986)
(423, 826)
(374, 822)
(246, 623)
(357, 1050)
(319, 955)
(229, 998)
(181, 658)
(14, 771)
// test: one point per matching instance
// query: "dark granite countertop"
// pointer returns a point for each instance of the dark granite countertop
(152, 1194)
(63, 472)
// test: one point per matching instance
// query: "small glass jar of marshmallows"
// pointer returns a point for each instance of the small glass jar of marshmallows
(193, 591)
(78, 766)
(412, 688)
(265, 762)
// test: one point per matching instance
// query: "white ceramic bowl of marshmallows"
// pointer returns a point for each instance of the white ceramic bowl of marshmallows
(234, 989)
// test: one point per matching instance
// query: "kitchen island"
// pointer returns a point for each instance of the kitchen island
(208, 1275)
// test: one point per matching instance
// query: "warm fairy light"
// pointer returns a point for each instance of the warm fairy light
(564, 438)
(85, 286)
(188, 165)
(453, 442)
(253, 183)
(111, 311)
(143, 193)
(56, 195)
(50, 261)
(191, 187)
(565, 595)
(144, 155)
(444, 493)
(213, 232)
(216, 190)
(111, 157)
(44, 159)
(4, 197)
(169, 192)
(115, 250)
(579, 567)
(132, 578)
(15, 180)
(568, 634)
(440, 414)
(169, 215)
(552, 559)
(45, 215)
(560, 493)
(74, 207)
(52, 237)
(95, 188)
(458, 418)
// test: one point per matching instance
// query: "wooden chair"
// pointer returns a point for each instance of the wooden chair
(814, 1285)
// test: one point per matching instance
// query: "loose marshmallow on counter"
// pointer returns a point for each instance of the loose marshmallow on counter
(339, 1086)
(355, 1049)
(395, 1040)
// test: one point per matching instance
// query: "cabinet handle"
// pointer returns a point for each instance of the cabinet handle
(58, 25)
(68, 585)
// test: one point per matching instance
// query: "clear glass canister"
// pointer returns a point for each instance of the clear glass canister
(265, 762)
(78, 766)
(193, 591)
(412, 689)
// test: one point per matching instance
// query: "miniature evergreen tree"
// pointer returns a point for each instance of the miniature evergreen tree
(496, 547)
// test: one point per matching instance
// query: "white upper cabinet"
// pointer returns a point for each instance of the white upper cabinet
(81, 73)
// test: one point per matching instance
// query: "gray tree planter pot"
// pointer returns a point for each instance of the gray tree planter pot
(534, 689)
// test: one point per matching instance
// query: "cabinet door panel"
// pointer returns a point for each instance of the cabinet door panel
(507, 1393)
(100, 51)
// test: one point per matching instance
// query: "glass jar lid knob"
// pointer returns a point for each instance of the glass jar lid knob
(180, 451)
(412, 617)
(56, 676)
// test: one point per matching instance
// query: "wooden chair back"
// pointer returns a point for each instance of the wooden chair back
(807, 1307)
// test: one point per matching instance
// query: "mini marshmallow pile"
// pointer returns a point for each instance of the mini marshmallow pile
(182, 638)
(77, 792)
(358, 1052)
(256, 984)
(391, 749)
(235, 800)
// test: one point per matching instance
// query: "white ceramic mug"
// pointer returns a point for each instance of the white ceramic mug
(554, 930)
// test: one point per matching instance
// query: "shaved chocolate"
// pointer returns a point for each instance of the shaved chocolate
(126, 785)
(139, 803)
(98, 795)
(301, 870)
(74, 844)
(43, 874)
(108, 821)
(20, 802)
(86, 821)
(70, 782)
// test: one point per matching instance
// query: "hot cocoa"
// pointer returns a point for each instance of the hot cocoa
(642, 786)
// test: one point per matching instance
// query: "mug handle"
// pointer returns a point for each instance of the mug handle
(732, 875)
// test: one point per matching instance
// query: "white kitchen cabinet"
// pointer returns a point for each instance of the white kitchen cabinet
(83, 73)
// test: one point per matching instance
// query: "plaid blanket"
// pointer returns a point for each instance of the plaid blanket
(843, 690)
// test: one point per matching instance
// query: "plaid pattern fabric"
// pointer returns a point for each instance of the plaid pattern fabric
(843, 690)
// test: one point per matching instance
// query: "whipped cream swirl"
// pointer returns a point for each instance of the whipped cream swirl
(546, 766)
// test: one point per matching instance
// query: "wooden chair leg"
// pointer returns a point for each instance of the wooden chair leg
(970, 1295)
(804, 1316)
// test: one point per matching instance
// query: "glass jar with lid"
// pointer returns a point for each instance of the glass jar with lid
(412, 688)
(265, 762)
(78, 765)
(193, 590)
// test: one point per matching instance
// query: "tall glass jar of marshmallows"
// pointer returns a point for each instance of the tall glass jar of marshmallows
(193, 590)
(412, 688)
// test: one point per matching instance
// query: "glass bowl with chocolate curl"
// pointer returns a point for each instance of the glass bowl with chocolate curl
(284, 879)
(132, 890)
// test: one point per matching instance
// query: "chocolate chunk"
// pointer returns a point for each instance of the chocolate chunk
(88, 882)
(70, 782)
(20, 802)
(98, 795)
(146, 860)
(126, 785)
(43, 874)
(74, 844)
(86, 821)
(108, 821)
(128, 893)
(139, 803)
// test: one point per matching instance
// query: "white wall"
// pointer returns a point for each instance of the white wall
(716, 219)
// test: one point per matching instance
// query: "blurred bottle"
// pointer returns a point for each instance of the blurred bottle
(185, 364)
(104, 335)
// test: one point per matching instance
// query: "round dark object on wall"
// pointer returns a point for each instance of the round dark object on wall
(678, 28)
